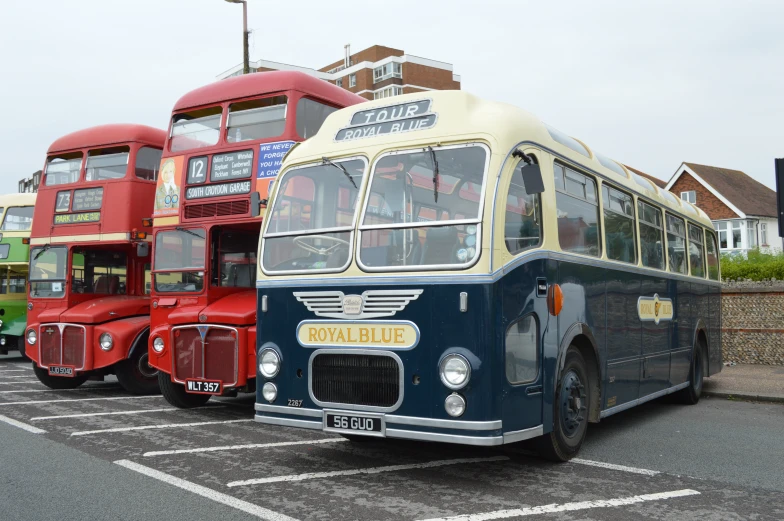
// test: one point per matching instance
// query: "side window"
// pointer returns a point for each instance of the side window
(310, 116)
(619, 235)
(578, 211)
(522, 218)
(148, 160)
(522, 351)
(651, 236)
(696, 252)
(712, 257)
(676, 244)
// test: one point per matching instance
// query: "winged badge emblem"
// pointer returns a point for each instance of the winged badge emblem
(371, 304)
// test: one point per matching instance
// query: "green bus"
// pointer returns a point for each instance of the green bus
(16, 211)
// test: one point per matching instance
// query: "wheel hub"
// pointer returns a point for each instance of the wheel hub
(145, 369)
(573, 399)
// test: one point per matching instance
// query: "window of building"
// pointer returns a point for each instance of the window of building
(387, 92)
(339, 82)
(763, 234)
(522, 228)
(256, 119)
(751, 233)
(18, 218)
(522, 351)
(619, 236)
(390, 70)
(310, 116)
(696, 252)
(676, 244)
(730, 234)
(63, 169)
(196, 129)
(578, 212)
(651, 236)
(712, 257)
(148, 160)
(352, 80)
(690, 196)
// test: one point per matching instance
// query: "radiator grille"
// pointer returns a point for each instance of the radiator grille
(369, 380)
(50, 345)
(73, 346)
(214, 358)
(201, 211)
(62, 345)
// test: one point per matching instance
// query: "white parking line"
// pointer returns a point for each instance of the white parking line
(24, 426)
(61, 390)
(166, 426)
(20, 382)
(569, 507)
(81, 400)
(218, 497)
(89, 414)
(372, 470)
(239, 447)
(17, 376)
(3, 371)
(612, 466)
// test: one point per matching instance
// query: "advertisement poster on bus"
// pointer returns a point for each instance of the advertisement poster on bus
(167, 193)
(270, 160)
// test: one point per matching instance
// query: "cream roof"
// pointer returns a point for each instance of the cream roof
(21, 199)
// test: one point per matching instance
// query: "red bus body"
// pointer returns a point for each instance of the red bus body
(205, 320)
(75, 298)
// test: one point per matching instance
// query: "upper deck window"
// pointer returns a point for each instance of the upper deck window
(18, 218)
(256, 119)
(63, 169)
(417, 216)
(195, 129)
(560, 137)
(107, 163)
(148, 160)
(310, 116)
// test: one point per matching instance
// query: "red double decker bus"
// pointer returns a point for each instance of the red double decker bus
(226, 143)
(89, 304)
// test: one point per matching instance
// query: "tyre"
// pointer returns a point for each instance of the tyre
(22, 347)
(691, 394)
(58, 382)
(570, 411)
(175, 393)
(136, 375)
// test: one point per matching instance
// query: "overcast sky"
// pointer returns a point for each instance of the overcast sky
(650, 84)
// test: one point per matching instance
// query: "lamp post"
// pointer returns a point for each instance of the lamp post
(245, 53)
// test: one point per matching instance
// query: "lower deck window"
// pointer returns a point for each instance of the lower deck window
(522, 352)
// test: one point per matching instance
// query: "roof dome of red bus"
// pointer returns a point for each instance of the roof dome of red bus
(263, 82)
(103, 135)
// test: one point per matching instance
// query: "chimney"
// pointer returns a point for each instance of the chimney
(347, 59)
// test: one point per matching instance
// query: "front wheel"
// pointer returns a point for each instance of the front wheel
(22, 347)
(175, 393)
(136, 375)
(570, 411)
(58, 382)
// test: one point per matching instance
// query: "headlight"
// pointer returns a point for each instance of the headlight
(455, 405)
(269, 363)
(157, 344)
(2, 340)
(1, 323)
(269, 391)
(455, 371)
(106, 341)
(31, 337)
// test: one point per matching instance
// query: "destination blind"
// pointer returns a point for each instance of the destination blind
(75, 218)
(218, 190)
(233, 165)
(87, 199)
(393, 119)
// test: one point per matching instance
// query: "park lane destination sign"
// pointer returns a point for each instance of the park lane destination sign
(392, 119)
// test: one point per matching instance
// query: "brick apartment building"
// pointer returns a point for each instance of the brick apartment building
(373, 73)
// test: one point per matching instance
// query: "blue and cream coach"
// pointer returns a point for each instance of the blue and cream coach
(445, 268)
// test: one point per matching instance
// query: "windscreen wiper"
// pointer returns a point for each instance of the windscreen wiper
(435, 173)
(43, 250)
(326, 161)
(189, 232)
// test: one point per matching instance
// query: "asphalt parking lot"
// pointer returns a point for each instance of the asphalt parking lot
(99, 453)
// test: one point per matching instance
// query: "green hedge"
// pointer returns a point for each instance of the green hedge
(756, 266)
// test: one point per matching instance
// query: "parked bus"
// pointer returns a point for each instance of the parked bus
(16, 217)
(225, 146)
(438, 267)
(88, 302)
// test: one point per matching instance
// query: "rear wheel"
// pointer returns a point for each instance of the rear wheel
(691, 394)
(175, 393)
(136, 375)
(570, 411)
(58, 382)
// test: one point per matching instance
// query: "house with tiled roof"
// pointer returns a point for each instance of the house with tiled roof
(742, 209)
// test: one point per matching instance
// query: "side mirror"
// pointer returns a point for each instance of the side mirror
(255, 204)
(532, 178)
(143, 249)
(780, 193)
